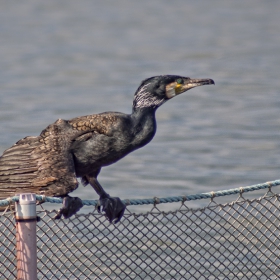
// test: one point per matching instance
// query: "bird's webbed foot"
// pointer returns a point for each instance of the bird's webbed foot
(112, 206)
(71, 205)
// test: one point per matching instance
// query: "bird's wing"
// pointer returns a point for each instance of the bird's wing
(44, 164)
(100, 123)
(41, 165)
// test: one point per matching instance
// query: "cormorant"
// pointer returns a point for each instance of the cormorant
(50, 163)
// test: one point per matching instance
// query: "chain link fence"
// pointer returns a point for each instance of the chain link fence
(237, 240)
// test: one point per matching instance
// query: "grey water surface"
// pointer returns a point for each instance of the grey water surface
(63, 59)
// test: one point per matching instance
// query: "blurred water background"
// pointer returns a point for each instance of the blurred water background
(63, 59)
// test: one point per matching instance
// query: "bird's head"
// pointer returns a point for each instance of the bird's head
(154, 91)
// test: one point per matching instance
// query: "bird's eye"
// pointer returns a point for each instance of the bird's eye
(180, 81)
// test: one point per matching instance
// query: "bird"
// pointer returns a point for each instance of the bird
(49, 164)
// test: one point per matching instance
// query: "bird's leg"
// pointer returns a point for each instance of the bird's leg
(112, 206)
(71, 205)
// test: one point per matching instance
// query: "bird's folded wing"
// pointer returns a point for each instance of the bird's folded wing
(44, 164)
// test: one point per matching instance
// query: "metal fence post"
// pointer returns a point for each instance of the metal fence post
(26, 220)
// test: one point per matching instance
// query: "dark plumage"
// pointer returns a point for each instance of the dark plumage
(50, 163)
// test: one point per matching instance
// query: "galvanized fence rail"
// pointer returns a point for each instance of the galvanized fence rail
(236, 240)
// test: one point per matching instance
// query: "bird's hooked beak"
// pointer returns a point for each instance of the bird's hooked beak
(183, 84)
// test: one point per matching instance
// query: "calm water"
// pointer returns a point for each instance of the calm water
(71, 58)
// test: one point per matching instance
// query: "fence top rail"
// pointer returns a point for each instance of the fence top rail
(156, 200)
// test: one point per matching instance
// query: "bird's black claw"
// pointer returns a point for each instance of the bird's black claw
(113, 207)
(71, 205)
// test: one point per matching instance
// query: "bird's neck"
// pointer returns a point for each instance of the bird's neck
(143, 110)
(143, 115)
(144, 125)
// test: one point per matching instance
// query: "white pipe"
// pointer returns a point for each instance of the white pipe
(26, 220)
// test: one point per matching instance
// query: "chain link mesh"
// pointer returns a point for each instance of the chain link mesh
(7, 247)
(237, 240)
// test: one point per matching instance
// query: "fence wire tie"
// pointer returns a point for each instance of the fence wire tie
(212, 201)
(241, 191)
(269, 192)
(9, 199)
(156, 201)
(184, 199)
(41, 201)
(213, 195)
(127, 202)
